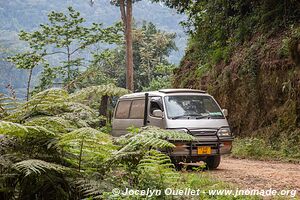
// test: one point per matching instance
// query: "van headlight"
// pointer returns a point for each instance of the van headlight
(224, 132)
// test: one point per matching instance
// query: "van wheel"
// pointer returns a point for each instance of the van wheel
(213, 162)
(178, 167)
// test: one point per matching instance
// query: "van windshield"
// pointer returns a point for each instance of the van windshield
(192, 107)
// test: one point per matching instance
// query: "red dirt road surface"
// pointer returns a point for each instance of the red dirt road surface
(253, 174)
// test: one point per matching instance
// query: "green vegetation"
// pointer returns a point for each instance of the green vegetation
(57, 145)
(151, 48)
(53, 148)
(255, 148)
(64, 35)
(27, 15)
(246, 54)
(280, 146)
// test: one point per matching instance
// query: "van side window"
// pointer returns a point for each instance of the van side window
(123, 109)
(156, 104)
(137, 109)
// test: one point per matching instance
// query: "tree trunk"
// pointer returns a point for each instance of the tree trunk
(103, 109)
(68, 65)
(149, 71)
(28, 84)
(126, 15)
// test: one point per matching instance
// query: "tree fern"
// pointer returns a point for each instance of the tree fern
(86, 94)
(152, 137)
(75, 112)
(15, 129)
(50, 95)
(79, 115)
(91, 188)
(49, 102)
(92, 96)
(52, 123)
(87, 147)
(156, 171)
(47, 97)
(7, 105)
(38, 179)
(33, 166)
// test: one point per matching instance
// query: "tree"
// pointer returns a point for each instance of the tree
(28, 61)
(163, 78)
(126, 15)
(151, 47)
(65, 35)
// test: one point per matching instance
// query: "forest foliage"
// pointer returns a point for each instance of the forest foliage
(27, 15)
(66, 36)
(52, 147)
(56, 140)
(246, 54)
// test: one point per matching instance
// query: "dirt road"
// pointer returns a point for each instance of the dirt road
(259, 174)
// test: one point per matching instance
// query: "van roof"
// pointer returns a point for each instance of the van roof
(162, 92)
(181, 91)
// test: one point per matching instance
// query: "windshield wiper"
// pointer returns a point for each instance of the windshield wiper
(187, 116)
(204, 116)
(179, 116)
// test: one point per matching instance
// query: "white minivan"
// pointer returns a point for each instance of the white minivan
(189, 110)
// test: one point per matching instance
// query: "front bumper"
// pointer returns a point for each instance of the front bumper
(218, 146)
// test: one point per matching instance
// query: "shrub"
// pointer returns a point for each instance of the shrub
(252, 148)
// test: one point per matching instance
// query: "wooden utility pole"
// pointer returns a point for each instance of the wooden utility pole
(126, 14)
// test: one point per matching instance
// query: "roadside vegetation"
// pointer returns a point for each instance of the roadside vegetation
(52, 147)
(56, 144)
(249, 60)
(255, 148)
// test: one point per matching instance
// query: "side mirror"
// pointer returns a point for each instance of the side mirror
(225, 112)
(158, 113)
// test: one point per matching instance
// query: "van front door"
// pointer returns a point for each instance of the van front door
(155, 103)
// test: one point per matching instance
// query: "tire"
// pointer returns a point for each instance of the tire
(213, 162)
(178, 167)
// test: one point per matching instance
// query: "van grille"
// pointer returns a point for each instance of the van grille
(203, 132)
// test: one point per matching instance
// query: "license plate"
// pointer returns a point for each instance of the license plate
(204, 150)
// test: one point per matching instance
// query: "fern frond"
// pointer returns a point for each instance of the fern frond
(157, 167)
(166, 134)
(86, 94)
(18, 130)
(73, 111)
(152, 137)
(49, 102)
(89, 146)
(92, 188)
(153, 158)
(144, 142)
(55, 94)
(54, 124)
(7, 105)
(34, 166)
(47, 97)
